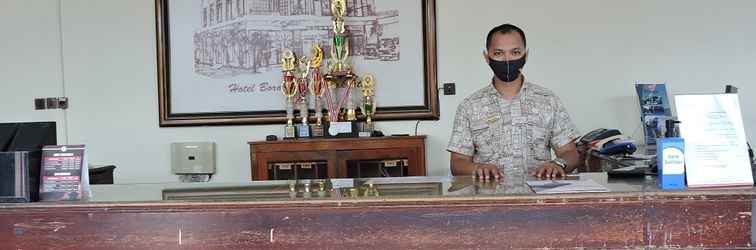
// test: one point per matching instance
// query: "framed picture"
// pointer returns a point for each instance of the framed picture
(219, 61)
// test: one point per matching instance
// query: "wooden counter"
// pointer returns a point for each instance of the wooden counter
(713, 218)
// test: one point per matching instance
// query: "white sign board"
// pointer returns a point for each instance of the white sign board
(716, 153)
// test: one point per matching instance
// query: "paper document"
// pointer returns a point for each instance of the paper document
(565, 186)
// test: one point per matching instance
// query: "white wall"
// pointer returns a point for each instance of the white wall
(31, 65)
(590, 52)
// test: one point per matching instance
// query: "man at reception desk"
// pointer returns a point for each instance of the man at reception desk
(506, 130)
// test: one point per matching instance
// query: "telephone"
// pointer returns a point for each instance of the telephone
(605, 150)
(595, 135)
(607, 142)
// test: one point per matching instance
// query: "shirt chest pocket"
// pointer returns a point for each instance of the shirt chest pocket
(539, 143)
(484, 138)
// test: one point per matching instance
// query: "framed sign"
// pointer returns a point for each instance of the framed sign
(218, 61)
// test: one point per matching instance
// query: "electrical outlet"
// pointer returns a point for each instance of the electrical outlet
(449, 89)
(63, 102)
(51, 103)
(39, 104)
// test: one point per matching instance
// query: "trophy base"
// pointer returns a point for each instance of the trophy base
(365, 129)
(318, 130)
(342, 129)
(303, 131)
(290, 132)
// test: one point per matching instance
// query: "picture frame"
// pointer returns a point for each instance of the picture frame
(217, 60)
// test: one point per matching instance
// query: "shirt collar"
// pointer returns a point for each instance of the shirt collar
(491, 90)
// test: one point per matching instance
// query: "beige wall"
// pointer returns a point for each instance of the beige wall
(590, 52)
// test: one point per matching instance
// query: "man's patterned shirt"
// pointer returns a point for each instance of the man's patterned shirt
(515, 135)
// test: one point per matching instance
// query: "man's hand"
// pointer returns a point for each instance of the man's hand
(464, 165)
(485, 172)
(549, 171)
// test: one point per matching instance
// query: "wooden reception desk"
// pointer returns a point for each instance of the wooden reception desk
(464, 215)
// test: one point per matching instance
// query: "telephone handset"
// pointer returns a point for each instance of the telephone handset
(606, 141)
(597, 134)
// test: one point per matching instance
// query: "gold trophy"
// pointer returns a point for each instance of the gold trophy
(340, 75)
(368, 105)
(303, 70)
(340, 49)
(289, 89)
(317, 88)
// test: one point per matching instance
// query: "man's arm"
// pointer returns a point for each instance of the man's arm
(462, 147)
(464, 165)
(563, 136)
(567, 152)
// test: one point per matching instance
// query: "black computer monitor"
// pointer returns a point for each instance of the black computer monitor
(27, 136)
(7, 132)
(32, 136)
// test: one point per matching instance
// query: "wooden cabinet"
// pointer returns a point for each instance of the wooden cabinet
(337, 154)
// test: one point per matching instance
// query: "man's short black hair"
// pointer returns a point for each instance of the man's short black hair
(505, 29)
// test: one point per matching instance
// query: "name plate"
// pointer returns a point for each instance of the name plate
(318, 131)
(365, 129)
(337, 128)
(289, 132)
(303, 131)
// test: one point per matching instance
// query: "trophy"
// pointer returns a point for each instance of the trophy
(303, 70)
(368, 105)
(317, 88)
(289, 89)
(339, 75)
(340, 49)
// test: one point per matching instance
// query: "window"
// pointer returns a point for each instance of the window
(261, 7)
(204, 17)
(212, 15)
(228, 10)
(239, 8)
(219, 12)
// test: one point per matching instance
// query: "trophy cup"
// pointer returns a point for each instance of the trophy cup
(339, 75)
(368, 105)
(289, 89)
(317, 88)
(340, 48)
(351, 114)
(303, 70)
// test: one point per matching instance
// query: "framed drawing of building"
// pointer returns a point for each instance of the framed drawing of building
(218, 61)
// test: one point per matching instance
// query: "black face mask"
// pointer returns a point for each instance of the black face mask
(507, 71)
